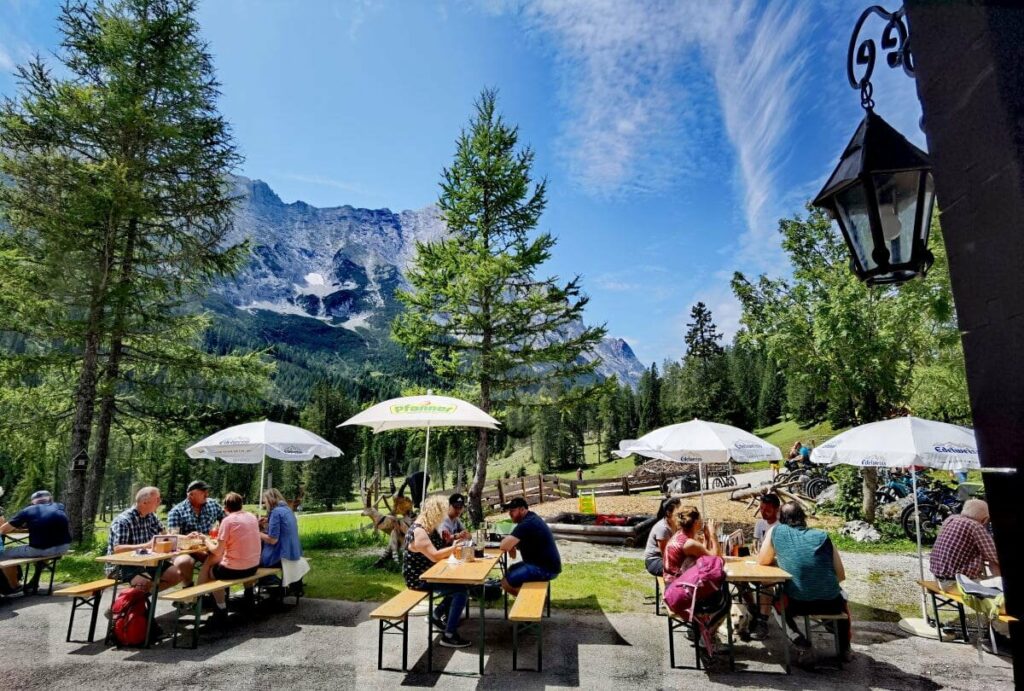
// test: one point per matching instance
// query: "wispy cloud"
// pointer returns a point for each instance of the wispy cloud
(351, 187)
(6, 63)
(640, 82)
(753, 52)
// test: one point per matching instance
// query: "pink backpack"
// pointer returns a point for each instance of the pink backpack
(701, 582)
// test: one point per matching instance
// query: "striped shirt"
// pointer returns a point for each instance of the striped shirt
(806, 553)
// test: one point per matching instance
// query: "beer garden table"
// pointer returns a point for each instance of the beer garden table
(468, 573)
(147, 559)
(743, 570)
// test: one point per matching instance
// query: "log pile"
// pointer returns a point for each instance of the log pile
(788, 489)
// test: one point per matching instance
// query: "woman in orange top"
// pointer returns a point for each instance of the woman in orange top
(236, 554)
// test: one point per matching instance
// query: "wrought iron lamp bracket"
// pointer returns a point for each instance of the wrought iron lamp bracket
(895, 42)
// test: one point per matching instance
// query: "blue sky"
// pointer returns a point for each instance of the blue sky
(673, 134)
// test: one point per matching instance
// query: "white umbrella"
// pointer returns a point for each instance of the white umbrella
(899, 443)
(254, 441)
(426, 411)
(700, 442)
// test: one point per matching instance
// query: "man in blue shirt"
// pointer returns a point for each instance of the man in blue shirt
(48, 535)
(532, 537)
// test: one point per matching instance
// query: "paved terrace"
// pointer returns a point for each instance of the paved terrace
(329, 644)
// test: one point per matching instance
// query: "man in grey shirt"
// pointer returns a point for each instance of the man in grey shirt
(452, 528)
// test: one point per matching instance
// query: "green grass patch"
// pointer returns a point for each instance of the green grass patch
(846, 544)
(349, 576)
(322, 523)
(609, 586)
(783, 434)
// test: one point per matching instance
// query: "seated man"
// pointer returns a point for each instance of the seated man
(964, 546)
(452, 528)
(196, 515)
(133, 529)
(541, 561)
(48, 536)
(236, 553)
(816, 569)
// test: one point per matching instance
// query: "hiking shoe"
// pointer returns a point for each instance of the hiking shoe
(454, 641)
(759, 629)
(439, 622)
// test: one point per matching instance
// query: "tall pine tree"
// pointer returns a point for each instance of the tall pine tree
(475, 307)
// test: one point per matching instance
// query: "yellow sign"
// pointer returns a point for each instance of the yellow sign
(588, 503)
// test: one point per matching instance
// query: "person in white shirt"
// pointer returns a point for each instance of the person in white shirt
(770, 504)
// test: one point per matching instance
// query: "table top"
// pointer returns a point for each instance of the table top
(464, 572)
(743, 570)
(150, 559)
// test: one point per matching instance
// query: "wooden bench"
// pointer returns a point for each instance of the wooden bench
(659, 588)
(86, 595)
(944, 600)
(821, 619)
(47, 563)
(676, 622)
(527, 614)
(393, 617)
(192, 597)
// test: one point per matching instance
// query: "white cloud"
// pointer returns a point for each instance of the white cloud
(757, 65)
(351, 187)
(6, 63)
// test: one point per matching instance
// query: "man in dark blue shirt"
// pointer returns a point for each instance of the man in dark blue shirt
(532, 537)
(48, 534)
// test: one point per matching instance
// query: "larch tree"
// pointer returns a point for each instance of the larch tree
(475, 308)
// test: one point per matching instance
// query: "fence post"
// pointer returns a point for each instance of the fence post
(664, 485)
(522, 486)
(625, 485)
(573, 489)
(501, 491)
(558, 487)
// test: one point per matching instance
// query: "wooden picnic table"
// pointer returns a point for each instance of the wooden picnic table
(148, 559)
(745, 570)
(468, 573)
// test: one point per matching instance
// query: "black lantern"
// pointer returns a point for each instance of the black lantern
(881, 194)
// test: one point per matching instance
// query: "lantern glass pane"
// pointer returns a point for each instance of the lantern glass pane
(897, 209)
(852, 207)
(929, 202)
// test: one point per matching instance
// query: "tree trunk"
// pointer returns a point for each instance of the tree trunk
(81, 428)
(108, 401)
(476, 510)
(870, 479)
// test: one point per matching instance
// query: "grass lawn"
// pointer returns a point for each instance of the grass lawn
(783, 434)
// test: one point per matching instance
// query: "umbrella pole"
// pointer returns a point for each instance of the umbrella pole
(920, 556)
(263, 475)
(426, 456)
(700, 476)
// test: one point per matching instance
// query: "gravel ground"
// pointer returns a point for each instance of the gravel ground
(325, 644)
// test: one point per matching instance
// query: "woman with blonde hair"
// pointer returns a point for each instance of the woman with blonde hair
(683, 550)
(424, 547)
(280, 530)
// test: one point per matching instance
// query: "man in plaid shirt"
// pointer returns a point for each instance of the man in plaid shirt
(135, 529)
(964, 545)
(197, 513)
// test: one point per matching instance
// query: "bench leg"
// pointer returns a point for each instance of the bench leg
(380, 644)
(548, 601)
(671, 644)
(540, 643)
(177, 619)
(97, 599)
(839, 648)
(405, 643)
(963, 620)
(53, 570)
(430, 633)
(657, 597)
(938, 623)
(515, 645)
(110, 622)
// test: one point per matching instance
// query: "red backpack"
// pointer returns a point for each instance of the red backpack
(130, 614)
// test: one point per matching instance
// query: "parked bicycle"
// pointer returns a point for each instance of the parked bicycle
(894, 487)
(935, 502)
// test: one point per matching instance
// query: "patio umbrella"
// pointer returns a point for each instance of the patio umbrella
(700, 442)
(899, 443)
(254, 441)
(422, 411)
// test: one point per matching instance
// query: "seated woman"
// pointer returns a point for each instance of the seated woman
(423, 547)
(816, 569)
(683, 550)
(236, 553)
(661, 533)
(281, 537)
